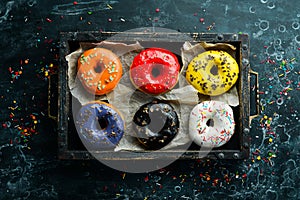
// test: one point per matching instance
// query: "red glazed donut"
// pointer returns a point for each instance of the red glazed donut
(155, 71)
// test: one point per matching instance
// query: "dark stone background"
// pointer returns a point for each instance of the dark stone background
(29, 168)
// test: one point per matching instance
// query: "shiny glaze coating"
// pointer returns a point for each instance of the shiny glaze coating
(211, 123)
(155, 71)
(212, 72)
(99, 125)
(99, 70)
(155, 124)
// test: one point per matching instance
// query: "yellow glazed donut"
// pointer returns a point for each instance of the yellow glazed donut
(212, 72)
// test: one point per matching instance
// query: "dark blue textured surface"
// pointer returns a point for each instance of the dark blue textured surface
(29, 30)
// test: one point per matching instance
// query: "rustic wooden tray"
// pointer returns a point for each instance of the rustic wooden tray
(60, 100)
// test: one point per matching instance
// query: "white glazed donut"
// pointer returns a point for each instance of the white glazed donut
(211, 124)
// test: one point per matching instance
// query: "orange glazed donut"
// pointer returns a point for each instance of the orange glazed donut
(99, 70)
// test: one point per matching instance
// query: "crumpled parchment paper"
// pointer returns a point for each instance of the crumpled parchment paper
(127, 99)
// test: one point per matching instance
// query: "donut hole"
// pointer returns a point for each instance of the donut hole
(157, 121)
(214, 70)
(99, 67)
(210, 123)
(102, 123)
(156, 68)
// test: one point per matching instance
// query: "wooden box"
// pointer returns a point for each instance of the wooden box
(69, 144)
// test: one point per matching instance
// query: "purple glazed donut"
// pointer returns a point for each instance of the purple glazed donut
(99, 125)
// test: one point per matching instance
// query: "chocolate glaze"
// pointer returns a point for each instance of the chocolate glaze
(99, 126)
(155, 124)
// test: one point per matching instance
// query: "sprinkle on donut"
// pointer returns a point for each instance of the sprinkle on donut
(99, 70)
(155, 71)
(211, 123)
(212, 72)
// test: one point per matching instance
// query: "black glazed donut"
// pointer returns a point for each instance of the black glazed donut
(155, 124)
